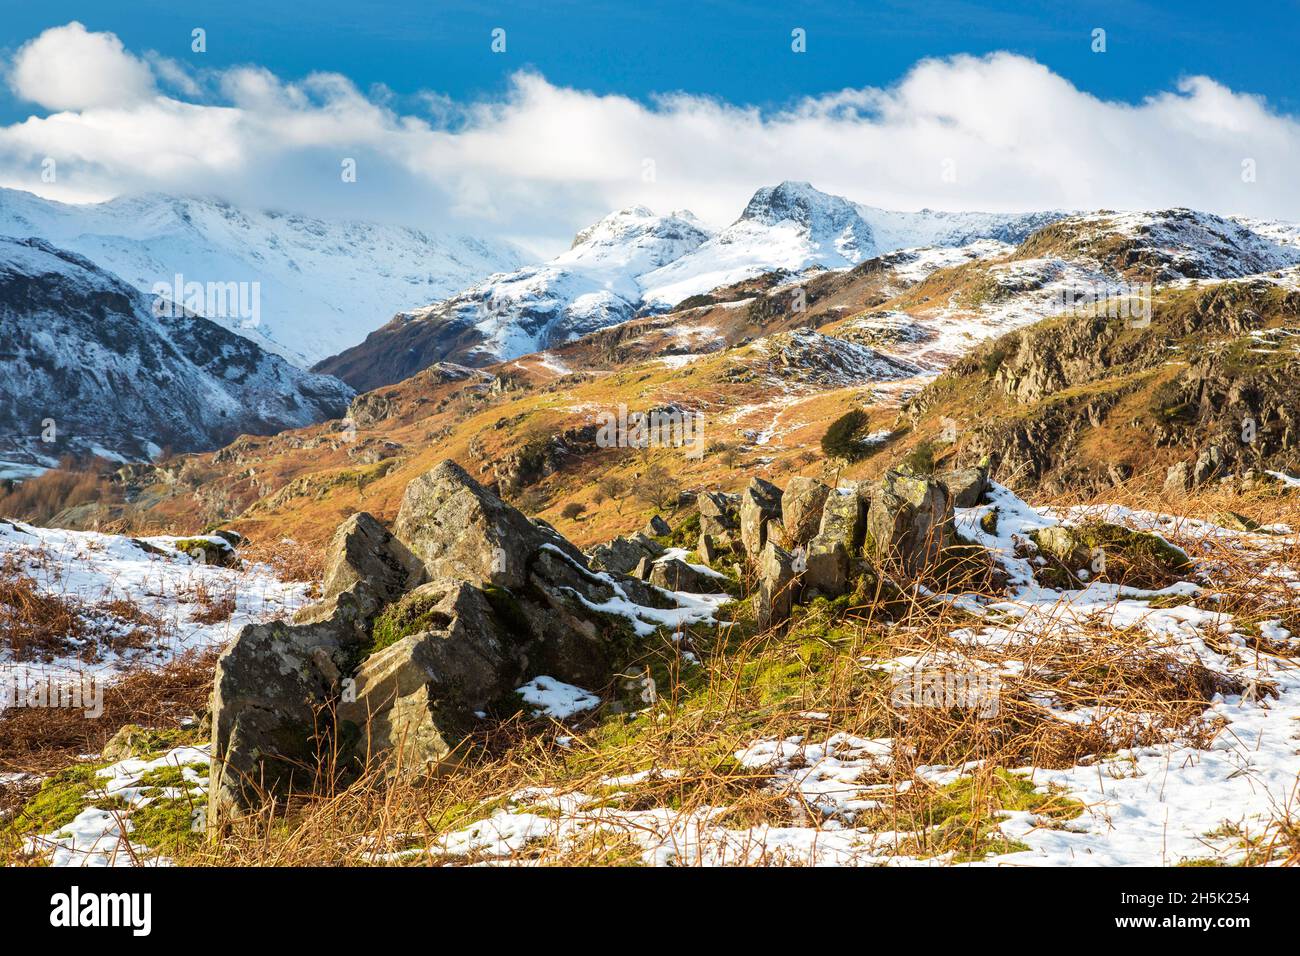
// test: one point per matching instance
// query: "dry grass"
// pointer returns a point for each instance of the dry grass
(39, 741)
(756, 686)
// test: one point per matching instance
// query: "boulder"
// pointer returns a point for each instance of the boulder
(622, 555)
(839, 537)
(463, 532)
(801, 509)
(656, 527)
(760, 503)
(776, 587)
(677, 575)
(966, 485)
(271, 696)
(909, 522)
(414, 701)
(364, 550)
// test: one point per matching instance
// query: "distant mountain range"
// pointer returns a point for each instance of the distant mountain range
(633, 261)
(322, 284)
(88, 366)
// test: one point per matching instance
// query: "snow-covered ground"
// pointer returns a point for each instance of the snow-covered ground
(1189, 797)
(91, 570)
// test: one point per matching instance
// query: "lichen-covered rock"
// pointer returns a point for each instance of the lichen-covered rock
(801, 509)
(415, 700)
(759, 504)
(966, 485)
(271, 696)
(776, 587)
(364, 550)
(463, 532)
(909, 522)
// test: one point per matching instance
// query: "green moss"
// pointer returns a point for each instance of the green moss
(963, 817)
(62, 797)
(170, 776)
(413, 614)
(167, 825)
(216, 553)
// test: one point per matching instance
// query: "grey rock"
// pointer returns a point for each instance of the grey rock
(776, 587)
(273, 687)
(675, 575)
(463, 532)
(760, 503)
(656, 527)
(1178, 479)
(364, 550)
(624, 554)
(966, 485)
(415, 701)
(801, 508)
(909, 522)
(706, 549)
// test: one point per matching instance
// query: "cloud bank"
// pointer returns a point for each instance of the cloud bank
(997, 133)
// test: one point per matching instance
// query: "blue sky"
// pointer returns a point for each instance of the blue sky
(597, 106)
(738, 51)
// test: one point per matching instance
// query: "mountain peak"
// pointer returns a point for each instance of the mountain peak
(797, 202)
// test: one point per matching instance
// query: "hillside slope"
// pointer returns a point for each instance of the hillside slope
(323, 284)
(86, 364)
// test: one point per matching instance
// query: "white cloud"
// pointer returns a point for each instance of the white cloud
(69, 68)
(544, 160)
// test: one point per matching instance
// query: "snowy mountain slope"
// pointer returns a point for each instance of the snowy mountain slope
(634, 260)
(794, 226)
(323, 284)
(85, 361)
(1171, 244)
(595, 284)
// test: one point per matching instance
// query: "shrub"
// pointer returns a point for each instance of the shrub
(572, 510)
(843, 437)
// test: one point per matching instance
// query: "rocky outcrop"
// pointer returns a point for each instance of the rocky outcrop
(759, 504)
(420, 630)
(909, 523)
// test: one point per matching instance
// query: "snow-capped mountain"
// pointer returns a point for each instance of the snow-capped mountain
(634, 260)
(322, 285)
(793, 226)
(594, 284)
(87, 365)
